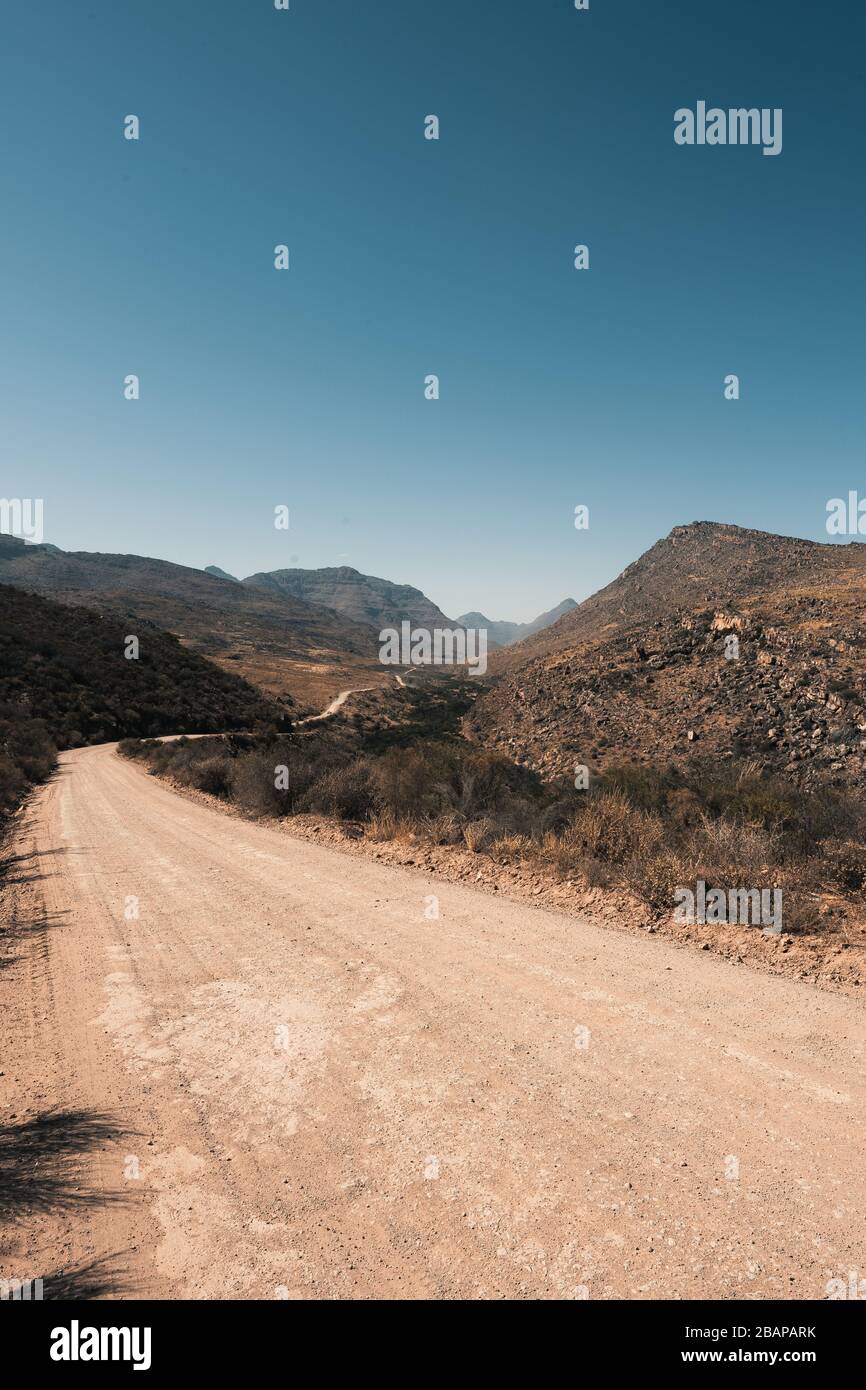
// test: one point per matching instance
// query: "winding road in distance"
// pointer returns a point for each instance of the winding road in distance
(338, 702)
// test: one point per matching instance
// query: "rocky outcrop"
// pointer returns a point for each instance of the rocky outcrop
(776, 675)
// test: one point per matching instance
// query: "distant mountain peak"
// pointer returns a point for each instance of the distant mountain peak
(365, 598)
(220, 574)
(504, 634)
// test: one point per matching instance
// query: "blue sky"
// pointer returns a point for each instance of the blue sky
(411, 257)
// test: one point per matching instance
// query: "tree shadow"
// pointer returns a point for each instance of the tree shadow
(16, 861)
(100, 1278)
(27, 868)
(39, 1162)
(15, 929)
(17, 923)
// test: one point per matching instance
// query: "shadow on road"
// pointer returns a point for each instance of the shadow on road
(17, 922)
(16, 927)
(27, 868)
(102, 1278)
(39, 1162)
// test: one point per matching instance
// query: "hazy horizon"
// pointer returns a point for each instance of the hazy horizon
(240, 573)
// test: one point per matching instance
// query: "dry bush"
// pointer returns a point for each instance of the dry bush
(477, 835)
(383, 825)
(801, 904)
(135, 747)
(403, 781)
(511, 846)
(213, 775)
(431, 780)
(846, 860)
(543, 821)
(683, 808)
(726, 855)
(654, 877)
(344, 792)
(594, 873)
(833, 815)
(642, 787)
(610, 829)
(729, 853)
(13, 783)
(253, 786)
(445, 829)
(565, 853)
(176, 758)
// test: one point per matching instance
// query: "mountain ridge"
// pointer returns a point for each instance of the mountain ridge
(660, 579)
(280, 643)
(718, 641)
(503, 633)
(362, 598)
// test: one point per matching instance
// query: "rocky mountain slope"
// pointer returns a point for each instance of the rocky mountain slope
(361, 598)
(702, 565)
(717, 643)
(502, 634)
(65, 681)
(280, 642)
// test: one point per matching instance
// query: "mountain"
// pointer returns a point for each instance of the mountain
(700, 565)
(220, 574)
(361, 598)
(276, 641)
(503, 634)
(719, 642)
(65, 681)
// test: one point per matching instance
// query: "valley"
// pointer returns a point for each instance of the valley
(239, 947)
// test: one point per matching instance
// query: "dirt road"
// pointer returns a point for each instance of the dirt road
(272, 1075)
(338, 702)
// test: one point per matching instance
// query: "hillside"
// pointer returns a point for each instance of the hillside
(503, 634)
(281, 643)
(65, 682)
(645, 670)
(705, 564)
(361, 598)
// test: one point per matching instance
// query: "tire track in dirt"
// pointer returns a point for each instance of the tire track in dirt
(332, 1096)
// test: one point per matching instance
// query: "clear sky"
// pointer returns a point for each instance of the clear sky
(408, 257)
